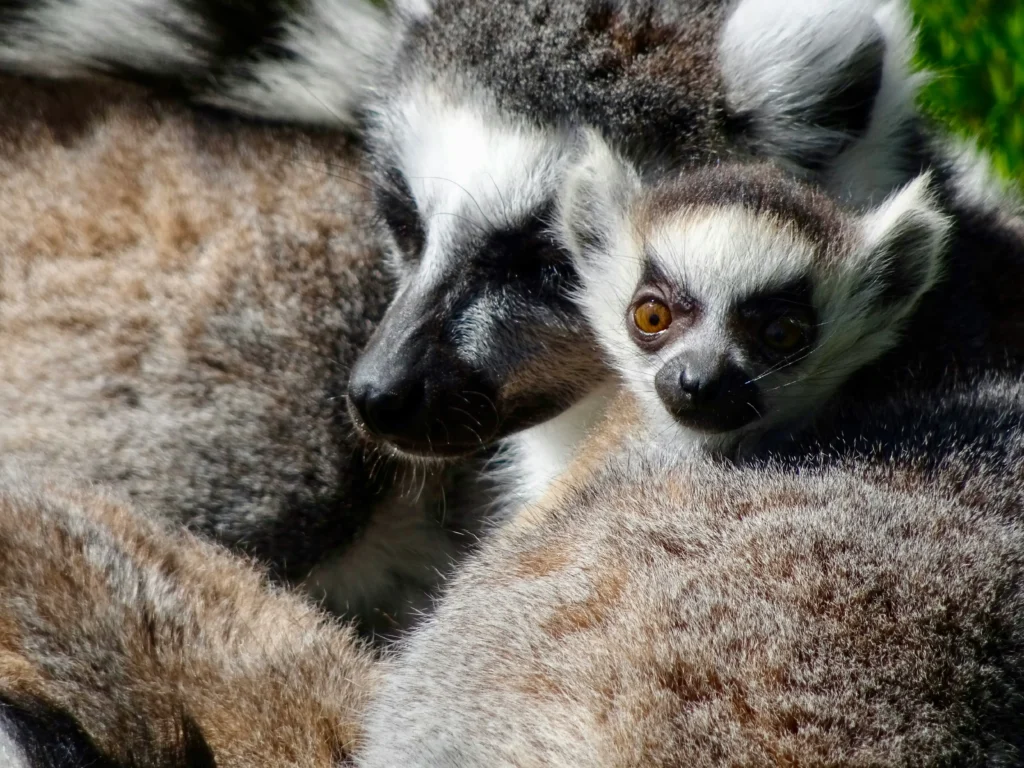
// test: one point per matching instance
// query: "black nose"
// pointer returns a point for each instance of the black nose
(423, 405)
(711, 394)
(699, 387)
(388, 409)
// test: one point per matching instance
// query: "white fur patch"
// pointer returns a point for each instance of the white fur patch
(539, 455)
(775, 56)
(413, 9)
(337, 46)
(471, 169)
(11, 755)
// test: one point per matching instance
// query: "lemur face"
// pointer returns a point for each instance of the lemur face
(713, 360)
(735, 301)
(482, 338)
(467, 140)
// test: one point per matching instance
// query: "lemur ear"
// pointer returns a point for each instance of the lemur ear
(595, 196)
(904, 243)
(824, 87)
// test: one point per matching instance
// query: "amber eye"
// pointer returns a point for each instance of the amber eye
(652, 317)
(784, 334)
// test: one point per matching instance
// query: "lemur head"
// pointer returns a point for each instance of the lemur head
(735, 300)
(469, 146)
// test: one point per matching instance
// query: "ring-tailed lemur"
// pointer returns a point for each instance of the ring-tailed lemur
(126, 645)
(736, 301)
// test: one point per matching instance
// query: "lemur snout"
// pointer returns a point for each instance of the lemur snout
(387, 407)
(712, 395)
(407, 390)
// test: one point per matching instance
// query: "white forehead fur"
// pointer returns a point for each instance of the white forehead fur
(803, 44)
(723, 253)
(471, 168)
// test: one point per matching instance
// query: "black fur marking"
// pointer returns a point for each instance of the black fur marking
(795, 294)
(52, 738)
(527, 258)
(754, 313)
(849, 101)
(397, 207)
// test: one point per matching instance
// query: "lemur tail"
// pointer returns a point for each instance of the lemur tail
(302, 61)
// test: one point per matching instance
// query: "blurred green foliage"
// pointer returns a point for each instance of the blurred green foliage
(975, 49)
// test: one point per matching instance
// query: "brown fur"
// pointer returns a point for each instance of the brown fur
(181, 299)
(130, 628)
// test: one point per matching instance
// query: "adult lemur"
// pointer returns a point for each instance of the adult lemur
(183, 299)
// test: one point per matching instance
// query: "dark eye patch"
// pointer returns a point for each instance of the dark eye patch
(397, 207)
(528, 256)
(756, 313)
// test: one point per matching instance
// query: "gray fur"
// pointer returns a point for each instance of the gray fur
(311, 61)
(653, 612)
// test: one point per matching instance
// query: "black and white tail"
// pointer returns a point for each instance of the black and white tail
(304, 61)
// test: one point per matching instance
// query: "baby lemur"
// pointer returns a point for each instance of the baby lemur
(735, 301)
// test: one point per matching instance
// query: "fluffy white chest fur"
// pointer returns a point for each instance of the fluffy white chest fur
(536, 457)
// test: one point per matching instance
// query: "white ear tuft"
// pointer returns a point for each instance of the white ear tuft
(595, 196)
(825, 87)
(904, 241)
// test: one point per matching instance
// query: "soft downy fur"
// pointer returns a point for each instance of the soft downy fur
(181, 299)
(861, 607)
(129, 643)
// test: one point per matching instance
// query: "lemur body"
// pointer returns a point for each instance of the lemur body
(125, 644)
(182, 299)
(653, 610)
